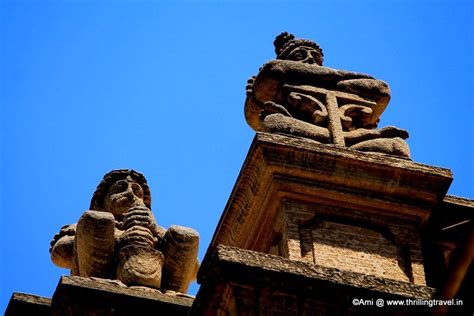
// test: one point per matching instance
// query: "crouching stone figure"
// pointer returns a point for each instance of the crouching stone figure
(118, 238)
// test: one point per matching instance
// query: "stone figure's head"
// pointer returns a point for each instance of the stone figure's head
(305, 51)
(120, 190)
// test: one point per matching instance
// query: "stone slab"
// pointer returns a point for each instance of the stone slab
(252, 275)
(27, 304)
(93, 296)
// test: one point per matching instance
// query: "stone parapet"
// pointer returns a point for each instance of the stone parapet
(242, 282)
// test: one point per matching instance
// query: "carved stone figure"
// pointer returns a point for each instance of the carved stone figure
(296, 95)
(118, 238)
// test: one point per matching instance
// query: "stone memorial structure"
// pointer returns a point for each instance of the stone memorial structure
(329, 216)
(328, 208)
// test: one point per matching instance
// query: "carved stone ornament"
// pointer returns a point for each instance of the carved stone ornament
(296, 95)
(118, 238)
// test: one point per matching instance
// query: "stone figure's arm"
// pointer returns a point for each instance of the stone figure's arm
(139, 228)
(94, 244)
(62, 245)
(256, 111)
(374, 89)
(180, 249)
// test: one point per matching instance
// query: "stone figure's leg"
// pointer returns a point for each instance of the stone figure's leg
(180, 248)
(95, 245)
(62, 252)
(373, 89)
(362, 134)
(280, 124)
(62, 247)
(392, 146)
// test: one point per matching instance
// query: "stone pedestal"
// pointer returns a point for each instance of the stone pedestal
(93, 296)
(28, 304)
(332, 207)
(324, 208)
(242, 282)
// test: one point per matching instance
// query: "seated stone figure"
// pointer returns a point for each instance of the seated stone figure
(296, 95)
(118, 238)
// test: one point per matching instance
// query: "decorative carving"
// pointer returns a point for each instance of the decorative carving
(296, 95)
(118, 238)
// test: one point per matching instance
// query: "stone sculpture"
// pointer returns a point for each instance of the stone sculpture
(118, 238)
(296, 95)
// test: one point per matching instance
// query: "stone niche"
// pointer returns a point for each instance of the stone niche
(350, 239)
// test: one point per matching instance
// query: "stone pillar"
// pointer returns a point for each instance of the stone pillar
(323, 208)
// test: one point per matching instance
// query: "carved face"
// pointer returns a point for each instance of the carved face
(123, 195)
(306, 55)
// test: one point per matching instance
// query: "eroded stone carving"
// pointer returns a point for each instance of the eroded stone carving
(118, 238)
(296, 95)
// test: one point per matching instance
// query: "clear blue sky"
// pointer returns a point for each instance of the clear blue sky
(90, 86)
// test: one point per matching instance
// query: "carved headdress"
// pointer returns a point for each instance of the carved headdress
(286, 44)
(97, 202)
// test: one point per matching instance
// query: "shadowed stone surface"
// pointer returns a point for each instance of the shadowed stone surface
(241, 282)
(26, 304)
(91, 296)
